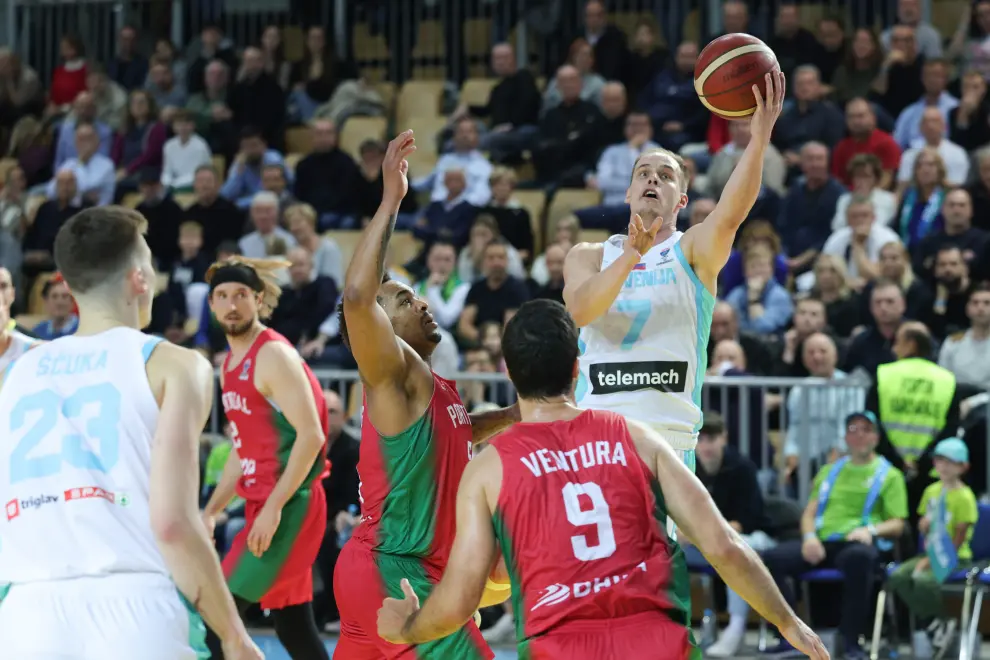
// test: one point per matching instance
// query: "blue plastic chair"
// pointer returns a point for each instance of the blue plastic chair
(973, 581)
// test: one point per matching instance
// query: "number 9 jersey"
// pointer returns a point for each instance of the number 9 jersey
(79, 417)
(646, 357)
(577, 521)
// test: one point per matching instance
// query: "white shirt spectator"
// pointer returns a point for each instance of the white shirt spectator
(966, 357)
(98, 175)
(839, 242)
(884, 207)
(615, 170)
(817, 416)
(907, 130)
(448, 311)
(955, 157)
(255, 246)
(180, 161)
(327, 260)
(477, 170)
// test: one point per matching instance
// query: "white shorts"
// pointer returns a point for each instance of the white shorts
(122, 617)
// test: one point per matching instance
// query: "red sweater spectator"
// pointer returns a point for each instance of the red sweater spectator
(69, 77)
(140, 140)
(864, 138)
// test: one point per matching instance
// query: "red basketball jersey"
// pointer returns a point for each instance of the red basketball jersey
(409, 481)
(259, 431)
(576, 520)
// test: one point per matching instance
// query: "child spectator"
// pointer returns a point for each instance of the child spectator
(916, 581)
(184, 154)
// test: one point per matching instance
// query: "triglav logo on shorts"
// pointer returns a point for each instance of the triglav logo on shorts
(15, 507)
(612, 377)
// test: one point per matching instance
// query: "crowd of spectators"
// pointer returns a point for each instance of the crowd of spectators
(874, 209)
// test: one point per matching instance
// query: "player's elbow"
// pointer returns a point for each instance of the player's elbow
(722, 546)
(173, 525)
(578, 310)
(358, 296)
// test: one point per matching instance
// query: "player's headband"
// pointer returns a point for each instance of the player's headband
(239, 274)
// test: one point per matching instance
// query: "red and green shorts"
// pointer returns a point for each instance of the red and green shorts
(283, 575)
(362, 579)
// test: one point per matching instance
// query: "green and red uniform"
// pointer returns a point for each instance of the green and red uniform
(590, 564)
(263, 438)
(408, 491)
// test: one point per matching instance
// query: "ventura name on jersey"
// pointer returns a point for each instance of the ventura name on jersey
(612, 377)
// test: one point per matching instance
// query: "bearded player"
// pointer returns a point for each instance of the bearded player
(572, 498)
(416, 440)
(279, 425)
(644, 301)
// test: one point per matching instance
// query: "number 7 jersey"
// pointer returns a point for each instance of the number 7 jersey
(78, 419)
(646, 357)
(577, 522)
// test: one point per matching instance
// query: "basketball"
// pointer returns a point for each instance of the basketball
(726, 71)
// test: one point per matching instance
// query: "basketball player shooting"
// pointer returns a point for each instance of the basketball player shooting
(279, 426)
(100, 473)
(572, 497)
(416, 440)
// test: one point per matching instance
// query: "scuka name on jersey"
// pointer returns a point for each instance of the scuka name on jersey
(588, 455)
(234, 401)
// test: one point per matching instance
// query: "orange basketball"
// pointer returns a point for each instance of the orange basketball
(726, 71)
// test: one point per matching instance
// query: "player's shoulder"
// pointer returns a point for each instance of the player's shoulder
(168, 359)
(586, 254)
(277, 349)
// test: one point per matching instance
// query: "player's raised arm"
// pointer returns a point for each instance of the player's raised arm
(692, 508)
(588, 290)
(183, 384)
(280, 376)
(710, 242)
(378, 353)
(460, 590)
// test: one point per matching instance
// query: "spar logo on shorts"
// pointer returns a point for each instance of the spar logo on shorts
(15, 508)
(615, 377)
(558, 593)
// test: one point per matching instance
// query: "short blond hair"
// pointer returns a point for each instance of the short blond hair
(266, 269)
(304, 211)
(503, 173)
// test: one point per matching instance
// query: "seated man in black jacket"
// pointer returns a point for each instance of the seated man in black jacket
(306, 302)
(731, 480)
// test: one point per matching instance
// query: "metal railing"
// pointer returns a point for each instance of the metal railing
(393, 39)
(762, 415)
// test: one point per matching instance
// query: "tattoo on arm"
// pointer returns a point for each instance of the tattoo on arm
(383, 248)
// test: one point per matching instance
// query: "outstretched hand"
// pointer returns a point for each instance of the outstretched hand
(768, 106)
(394, 614)
(395, 168)
(640, 238)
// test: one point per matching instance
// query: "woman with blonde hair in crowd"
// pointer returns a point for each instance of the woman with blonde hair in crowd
(895, 265)
(832, 287)
(920, 212)
(754, 232)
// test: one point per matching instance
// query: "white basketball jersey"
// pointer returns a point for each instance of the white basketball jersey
(19, 345)
(78, 417)
(646, 357)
